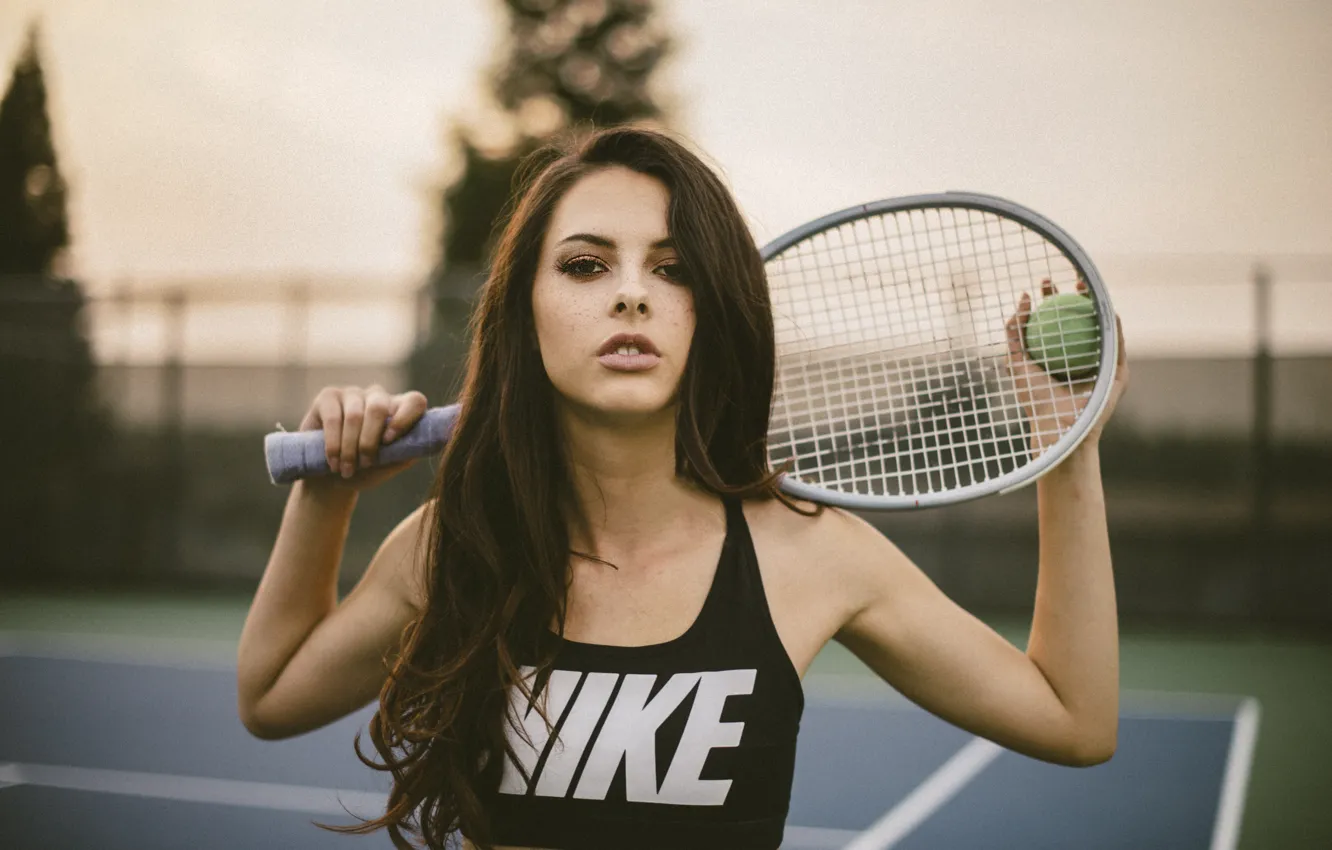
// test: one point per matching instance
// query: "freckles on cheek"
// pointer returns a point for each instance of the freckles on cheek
(569, 323)
(580, 316)
(686, 322)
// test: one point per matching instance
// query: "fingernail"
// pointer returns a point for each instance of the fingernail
(332, 464)
(365, 461)
(347, 469)
(389, 435)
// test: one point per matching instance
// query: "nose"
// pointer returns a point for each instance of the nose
(630, 296)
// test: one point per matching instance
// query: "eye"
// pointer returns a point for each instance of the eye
(580, 267)
(672, 271)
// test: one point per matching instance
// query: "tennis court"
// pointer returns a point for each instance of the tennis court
(122, 732)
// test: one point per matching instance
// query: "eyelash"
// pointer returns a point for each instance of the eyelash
(567, 267)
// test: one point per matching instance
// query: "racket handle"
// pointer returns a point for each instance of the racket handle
(300, 454)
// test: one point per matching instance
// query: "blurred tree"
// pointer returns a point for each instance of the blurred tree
(56, 429)
(568, 63)
(33, 227)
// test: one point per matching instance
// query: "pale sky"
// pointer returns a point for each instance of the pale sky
(248, 138)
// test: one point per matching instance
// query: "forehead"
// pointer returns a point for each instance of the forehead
(615, 202)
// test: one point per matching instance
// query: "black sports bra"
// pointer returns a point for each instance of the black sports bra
(684, 744)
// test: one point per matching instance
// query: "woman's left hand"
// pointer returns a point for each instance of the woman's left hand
(1052, 405)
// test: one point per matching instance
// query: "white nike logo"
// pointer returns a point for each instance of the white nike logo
(628, 734)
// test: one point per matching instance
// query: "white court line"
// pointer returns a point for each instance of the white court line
(268, 795)
(1235, 785)
(176, 653)
(928, 797)
(196, 789)
(815, 838)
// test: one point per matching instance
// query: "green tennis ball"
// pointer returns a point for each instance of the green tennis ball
(1064, 337)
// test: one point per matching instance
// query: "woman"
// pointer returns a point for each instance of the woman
(610, 567)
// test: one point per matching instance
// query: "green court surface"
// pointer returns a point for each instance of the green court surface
(1291, 678)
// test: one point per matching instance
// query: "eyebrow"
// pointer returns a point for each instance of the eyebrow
(603, 242)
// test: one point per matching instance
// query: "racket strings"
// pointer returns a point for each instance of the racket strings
(891, 342)
(867, 438)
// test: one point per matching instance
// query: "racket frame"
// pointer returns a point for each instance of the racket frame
(1067, 442)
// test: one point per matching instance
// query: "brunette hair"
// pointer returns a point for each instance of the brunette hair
(501, 503)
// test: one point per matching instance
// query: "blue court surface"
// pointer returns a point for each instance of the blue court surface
(121, 743)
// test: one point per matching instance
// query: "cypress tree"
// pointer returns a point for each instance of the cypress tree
(33, 225)
(56, 429)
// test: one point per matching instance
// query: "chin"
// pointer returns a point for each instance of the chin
(623, 403)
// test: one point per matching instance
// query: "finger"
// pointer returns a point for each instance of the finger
(330, 413)
(378, 408)
(353, 414)
(1047, 288)
(410, 407)
(1020, 365)
(1122, 358)
(1014, 338)
(1082, 385)
(1016, 326)
(1122, 366)
(312, 420)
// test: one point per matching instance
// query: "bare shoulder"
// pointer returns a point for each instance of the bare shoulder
(833, 538)
(403, 556)
(828, 565)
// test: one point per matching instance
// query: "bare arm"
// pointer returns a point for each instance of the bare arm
(304, 664)
(1074, 631)
(298, 589)
(1058, 701)
(947, 661)
(305, 659)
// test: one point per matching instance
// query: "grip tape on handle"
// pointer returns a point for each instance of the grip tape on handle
(300, 454)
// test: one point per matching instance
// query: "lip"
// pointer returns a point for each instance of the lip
(629, 362)
(643, 343)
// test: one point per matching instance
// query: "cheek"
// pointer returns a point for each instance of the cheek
(681, 318)
(561, 319)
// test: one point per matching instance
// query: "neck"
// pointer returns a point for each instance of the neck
(625, 484)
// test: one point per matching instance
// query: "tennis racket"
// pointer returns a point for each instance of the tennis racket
(893, 325)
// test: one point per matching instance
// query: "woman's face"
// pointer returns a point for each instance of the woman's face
(607, 268)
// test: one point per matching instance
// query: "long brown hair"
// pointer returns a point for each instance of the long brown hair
(502, 500)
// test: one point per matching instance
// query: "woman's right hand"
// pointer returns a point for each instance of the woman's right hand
(355, 423)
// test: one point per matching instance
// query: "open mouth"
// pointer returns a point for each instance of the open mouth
(628, 352)
(628, 358)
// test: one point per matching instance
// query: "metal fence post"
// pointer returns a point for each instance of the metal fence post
(1265, 560)
(295, 350)
(172, 424)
